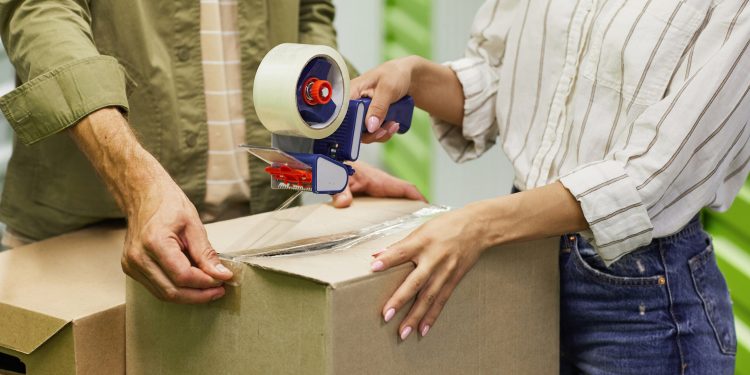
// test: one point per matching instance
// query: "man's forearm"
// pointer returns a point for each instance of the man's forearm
(125, 166)
(437, 90)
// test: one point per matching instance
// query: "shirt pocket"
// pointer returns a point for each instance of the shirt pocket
(635, 46)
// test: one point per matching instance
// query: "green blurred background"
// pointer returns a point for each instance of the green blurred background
(371, 31)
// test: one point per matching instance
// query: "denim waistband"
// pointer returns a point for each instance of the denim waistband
(693, 228)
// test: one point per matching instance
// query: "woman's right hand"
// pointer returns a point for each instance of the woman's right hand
(385, 84)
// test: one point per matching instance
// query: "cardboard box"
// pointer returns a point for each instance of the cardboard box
(62, 305)
(319, 312)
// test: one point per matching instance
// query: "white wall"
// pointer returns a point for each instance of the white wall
(491, 175)
(7, 82)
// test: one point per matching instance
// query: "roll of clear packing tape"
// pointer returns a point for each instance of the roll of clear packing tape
(276, 89)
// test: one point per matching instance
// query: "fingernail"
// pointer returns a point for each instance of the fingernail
(377, 265)
(220, 267)
(381, 133)
(375, 254)
(389, 315)
(405, 332)
(372, 124)
(425, 329)
(394, 128)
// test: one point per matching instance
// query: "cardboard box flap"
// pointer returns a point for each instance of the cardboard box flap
(24, 330)
(340, 265)
(39, 281)
(261, 230)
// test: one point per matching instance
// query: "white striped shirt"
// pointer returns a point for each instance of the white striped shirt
(639, 107)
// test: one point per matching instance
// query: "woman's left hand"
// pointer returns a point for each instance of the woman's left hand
(443, 250)
(373, 182)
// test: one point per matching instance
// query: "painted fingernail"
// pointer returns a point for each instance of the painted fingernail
(425, 329)
(389, 315)
(394, 128)
(405, 332)
(375, 254)
(220, 267)
(377, 265)
(372, 124)
(381, 133)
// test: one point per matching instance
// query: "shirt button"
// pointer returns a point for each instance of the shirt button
(183, 54)
(191, 139)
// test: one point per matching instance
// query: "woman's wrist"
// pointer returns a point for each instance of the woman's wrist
(538, 213)
(435, 89)
(493, 221)
(416, 67)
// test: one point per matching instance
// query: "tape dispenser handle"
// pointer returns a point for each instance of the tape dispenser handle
(401, 112)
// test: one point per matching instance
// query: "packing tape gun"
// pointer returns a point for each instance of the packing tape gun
(301, 95)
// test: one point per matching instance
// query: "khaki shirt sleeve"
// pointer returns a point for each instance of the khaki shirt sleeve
(316, 22)
(64, 76)
(316, 26)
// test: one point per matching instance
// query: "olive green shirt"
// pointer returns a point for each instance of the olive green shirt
(144, 57)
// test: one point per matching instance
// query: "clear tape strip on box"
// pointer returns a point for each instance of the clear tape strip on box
(340, 241)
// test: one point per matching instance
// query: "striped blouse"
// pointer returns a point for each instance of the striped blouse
(639, 107)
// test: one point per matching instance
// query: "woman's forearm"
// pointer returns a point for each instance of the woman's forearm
(542, 212)
(436, 89)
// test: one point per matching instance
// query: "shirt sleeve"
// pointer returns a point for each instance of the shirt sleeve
(64, 77)
(316, 22)
(477, 73)
(679, 153)
(316, 26)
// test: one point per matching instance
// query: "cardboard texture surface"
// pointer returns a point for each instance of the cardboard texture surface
(319, 313)
(62, 304)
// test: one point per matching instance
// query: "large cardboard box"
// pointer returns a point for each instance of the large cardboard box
(62, 305)
(318, 312)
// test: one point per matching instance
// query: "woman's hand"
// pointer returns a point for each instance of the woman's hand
(371, 181)
(444, 250)
(385, 84)
(434, 87)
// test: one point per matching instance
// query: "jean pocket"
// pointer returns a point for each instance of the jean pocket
(712, 289)
(625, 272)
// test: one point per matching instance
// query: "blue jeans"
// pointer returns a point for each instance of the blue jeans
(663, 309)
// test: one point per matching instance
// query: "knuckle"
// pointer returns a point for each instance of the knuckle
(181, 277)
(170, 294)
(125, 266)
(209, 253)
(451, 264)
(429, 298)
(440, 303)
(417, 283)
(401, 254)
(150, 240)
(398, 301)
(130, 259)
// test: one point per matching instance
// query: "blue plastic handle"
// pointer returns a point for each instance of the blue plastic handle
(400, 112)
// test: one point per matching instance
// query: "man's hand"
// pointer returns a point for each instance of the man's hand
(166, 247)
(376, 183)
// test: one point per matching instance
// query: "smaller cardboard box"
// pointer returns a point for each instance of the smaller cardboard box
(318, 312)
(62, 305)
